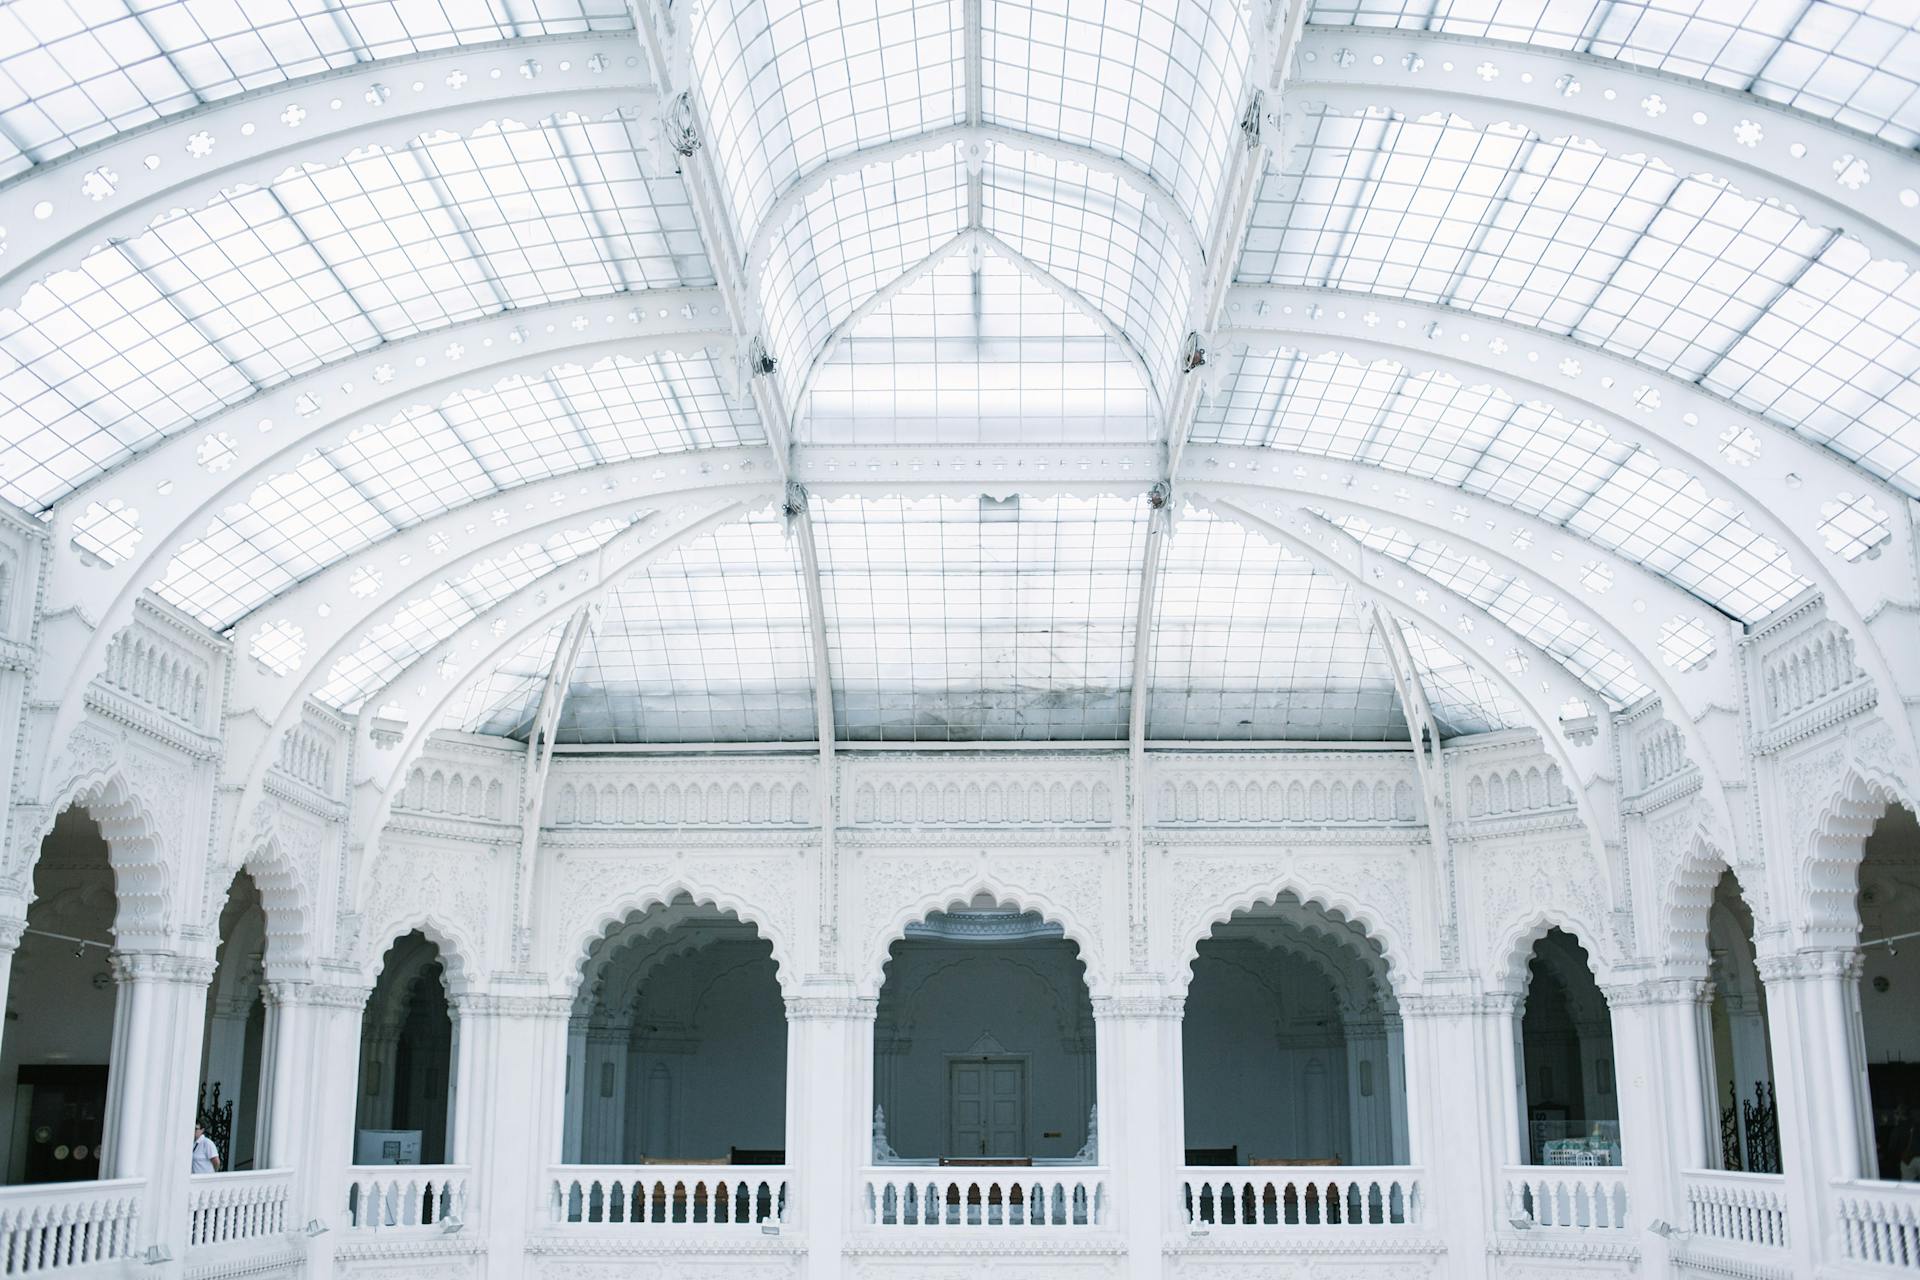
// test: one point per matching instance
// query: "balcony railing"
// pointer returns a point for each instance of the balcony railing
(1879, 1222)
(388, 1197)
(1303, 1196)
(1574, 1197)
(226, 1207)
(923, 1196)
(667, 1195)
(1740, 1208)
(64, 1226)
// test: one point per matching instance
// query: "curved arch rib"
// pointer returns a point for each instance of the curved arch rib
(1691, 125)
(52, 215)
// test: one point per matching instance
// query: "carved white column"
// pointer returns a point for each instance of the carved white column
(1370, 1106)
(12, 923)
(152, 1078)
(1463, 1114)
(509, 1104)
(1142, 1116)
(379, 1046)
(603, 1108)
(572, 1124)
(1820, 1084)
(309, 1078)
(1663, 1082)
(829, 1116)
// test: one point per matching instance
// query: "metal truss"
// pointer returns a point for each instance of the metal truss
(533, 782)
(115, 189)
(1832, 175)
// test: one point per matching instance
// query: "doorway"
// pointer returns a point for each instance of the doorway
(987, 1108)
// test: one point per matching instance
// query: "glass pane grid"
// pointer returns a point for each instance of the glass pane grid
(1462, 699)
(1154, 83)
(856, 235)
(1522, 455)
(1853, 61)
(475, 446)
(787, 85)
(390, 646)
(961, 620)
(1250, 642)
(77, 71)
(1099, 237)
(505, 700)
(1535, 616)
(979, 356)
(709, 643)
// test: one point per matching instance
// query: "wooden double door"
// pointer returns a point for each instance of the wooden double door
(987, 1108)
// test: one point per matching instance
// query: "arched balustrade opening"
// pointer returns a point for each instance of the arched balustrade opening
(228, 1107)
(983, 1042)
(53, 1070)
(677, 1048)
(1568, 1092)
(1291, 1044)
(1746, 1123)
(1889, 901)
(405, 1097)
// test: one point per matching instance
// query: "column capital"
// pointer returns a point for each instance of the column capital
(160, 966)
(1843, 964)
(1139, 1007)
(489, 1004)
(329, 995)
(1460, 1004)
(823, 1008)
(11, 928)
(1657, 991)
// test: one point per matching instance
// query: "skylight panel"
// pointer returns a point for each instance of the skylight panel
(1536, 617)
(981, 619)
(788, 85)
(1524, 455)
(1251, 643)
(1156, 84)
(1851, 61)
(1837, 357)
(425, 462)
(709, 643)
(1098, 236)
(977, 352)
(855, 236)
(504, 701)
(74, 72)
(1462, 698)
(388, 647)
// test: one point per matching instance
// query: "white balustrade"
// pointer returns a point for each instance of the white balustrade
(1302, 1196)
(1741, 1208)
(667, 1195)
(1879, 1222)
(64, 1226)
(388, 1197)
(929, 1196)
(1579, 1198)
(225, 1207)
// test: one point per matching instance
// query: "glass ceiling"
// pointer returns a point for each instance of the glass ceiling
(1032, 285)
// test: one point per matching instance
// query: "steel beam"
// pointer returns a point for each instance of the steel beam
(1831, 175)
(55, 213)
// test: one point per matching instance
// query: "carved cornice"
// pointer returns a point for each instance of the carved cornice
(1307, 1242)
(1693, 1260)
(1287, 838)
(18, 655)
(1502, 1004)
(1793, 611)
(1562, 1249)
(1535, 823)
(116, 708)
(324, 995)
(252, 1260)
(304, 796)
(1086, 839)
(1834, 964)
(1856, 699)
(487, 1004)
(1100, 1244)
(791, 839)
(389, 1249)
(1665, 792)
(681, 1242)
(1657, 991)
(1142, 1007)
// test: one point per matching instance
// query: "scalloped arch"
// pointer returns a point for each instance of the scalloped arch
(871, 969)
(458, 954)
(1391, 949)
(576, 941)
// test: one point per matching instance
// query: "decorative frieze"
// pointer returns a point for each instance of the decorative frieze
(1320, 789)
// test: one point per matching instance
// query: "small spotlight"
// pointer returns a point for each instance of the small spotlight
(315, 1227)
(157, 1254)
(451, 1225)
(1520, 1224)
(769, 1228)
(1666, 1230)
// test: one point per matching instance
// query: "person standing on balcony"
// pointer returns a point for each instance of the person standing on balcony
(206, 1156)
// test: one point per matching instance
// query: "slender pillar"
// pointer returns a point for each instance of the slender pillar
(1142, 1110)
(1371, 1138)
(572, 1125)
(603, 1108)
(155, 1067)
(1461, 1114)
(309, 1080)
(829, 1116)
(510, 1102)
(1663, 1081)
(11, 927)
(379, 1045)
(1820, 1083)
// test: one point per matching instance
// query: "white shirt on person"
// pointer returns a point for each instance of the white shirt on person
(204, 1155)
